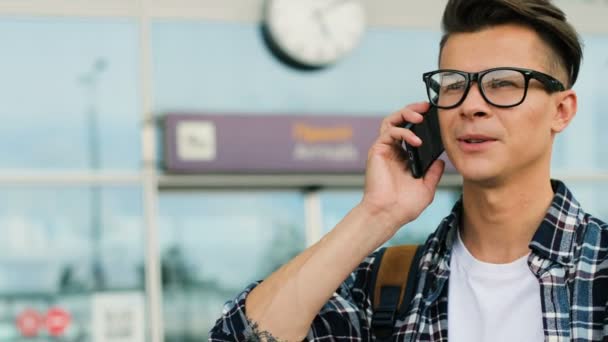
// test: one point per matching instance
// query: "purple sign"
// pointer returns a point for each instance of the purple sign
(268, 144)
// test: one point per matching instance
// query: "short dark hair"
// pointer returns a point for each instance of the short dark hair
(549, 22)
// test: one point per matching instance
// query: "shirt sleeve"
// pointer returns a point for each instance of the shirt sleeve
(347, 314)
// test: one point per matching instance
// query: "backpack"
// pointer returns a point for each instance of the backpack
(392, 286)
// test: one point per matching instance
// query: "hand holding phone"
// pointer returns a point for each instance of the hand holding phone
(388, 188)
(420, 158)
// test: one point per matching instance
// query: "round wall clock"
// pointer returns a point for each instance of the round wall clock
(312, 34)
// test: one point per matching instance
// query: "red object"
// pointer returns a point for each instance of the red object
(29, 322)
(57, 320)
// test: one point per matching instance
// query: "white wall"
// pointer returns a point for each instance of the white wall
(589, 16)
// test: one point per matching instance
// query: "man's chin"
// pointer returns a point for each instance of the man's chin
(480, 176)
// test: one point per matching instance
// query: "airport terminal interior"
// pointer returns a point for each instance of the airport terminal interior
(157, 156)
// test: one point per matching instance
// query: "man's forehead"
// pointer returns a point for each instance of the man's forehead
(504, 45)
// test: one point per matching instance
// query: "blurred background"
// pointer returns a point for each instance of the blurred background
(156, 156)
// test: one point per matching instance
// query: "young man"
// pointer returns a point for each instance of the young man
(516, 260)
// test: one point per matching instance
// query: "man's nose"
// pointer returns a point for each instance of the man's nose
(474, 105)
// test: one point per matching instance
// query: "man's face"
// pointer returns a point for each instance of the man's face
(517, 140)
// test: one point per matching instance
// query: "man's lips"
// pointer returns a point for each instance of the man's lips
(475, 138)
(475, 142)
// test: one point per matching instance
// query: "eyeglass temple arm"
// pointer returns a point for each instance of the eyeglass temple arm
(553, 84)
(434, 85)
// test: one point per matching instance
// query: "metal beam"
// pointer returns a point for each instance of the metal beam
(68, 178)
(303, 181)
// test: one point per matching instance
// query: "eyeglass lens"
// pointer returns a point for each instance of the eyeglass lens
(500, 87)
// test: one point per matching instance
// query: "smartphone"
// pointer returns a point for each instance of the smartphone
(420, 158)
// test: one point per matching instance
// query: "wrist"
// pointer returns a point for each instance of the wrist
(390, 215)
(374, 227)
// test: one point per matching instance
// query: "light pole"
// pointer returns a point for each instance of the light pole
(90, 80)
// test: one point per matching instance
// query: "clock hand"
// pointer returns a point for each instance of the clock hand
(319, 17)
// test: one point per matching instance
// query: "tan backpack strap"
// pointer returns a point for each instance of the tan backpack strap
(394, 270)
(389, 285)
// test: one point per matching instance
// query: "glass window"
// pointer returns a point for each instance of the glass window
(60, 246)
(215, 243)
(225, 67)
(69, 94)
(336, 204)
(591, 196)
(581, 147)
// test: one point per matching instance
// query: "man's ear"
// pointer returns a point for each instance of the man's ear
(567, 105)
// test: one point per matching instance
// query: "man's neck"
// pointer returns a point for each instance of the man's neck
(499, 222)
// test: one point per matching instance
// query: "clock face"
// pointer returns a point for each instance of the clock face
(314, 33)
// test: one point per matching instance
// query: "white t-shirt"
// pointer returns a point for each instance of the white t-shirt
(492, 302)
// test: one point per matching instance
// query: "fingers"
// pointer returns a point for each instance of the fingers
(410, 113)
(434, 173)
(392, 129)
(396, 134)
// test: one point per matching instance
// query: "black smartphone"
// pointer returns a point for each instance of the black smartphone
(420, 158)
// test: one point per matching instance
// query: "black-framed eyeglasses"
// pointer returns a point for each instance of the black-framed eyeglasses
(501, 87)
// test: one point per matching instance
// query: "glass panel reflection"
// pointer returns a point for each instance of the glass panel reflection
(60, 247)
(592, 197)
(581, 147)
(336, 204)
(215, 243)
(69, 94)
(212, 73)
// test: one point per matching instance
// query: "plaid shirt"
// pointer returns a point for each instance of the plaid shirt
(569, 257)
